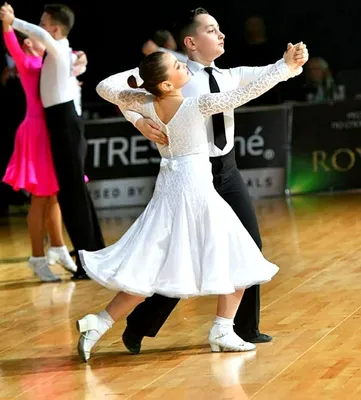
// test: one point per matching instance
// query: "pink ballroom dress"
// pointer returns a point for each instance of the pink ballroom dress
(31, 165)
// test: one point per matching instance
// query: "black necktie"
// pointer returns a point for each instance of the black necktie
(219, 130)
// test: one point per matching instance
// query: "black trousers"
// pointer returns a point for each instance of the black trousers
(148, 317)
(68, 146)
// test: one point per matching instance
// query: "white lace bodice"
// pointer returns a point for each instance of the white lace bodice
(186, 130)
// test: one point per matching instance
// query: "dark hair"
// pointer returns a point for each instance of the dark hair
(21, 37)
(62, 15)
(187, 24)
(160, 37)
(152, 71)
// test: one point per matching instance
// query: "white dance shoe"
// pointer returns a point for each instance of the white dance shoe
(61, 256)
(227, 342)
(40, 267)
(90, 332)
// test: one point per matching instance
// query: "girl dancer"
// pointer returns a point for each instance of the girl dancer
(188, 241)
(31, 165)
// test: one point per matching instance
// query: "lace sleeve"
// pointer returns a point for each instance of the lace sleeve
(214, 103)
(131, 116)
(79, 69)
(242, 76)
(116, 90)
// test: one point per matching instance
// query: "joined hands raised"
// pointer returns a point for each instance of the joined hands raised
(7, 14)
(296, 55)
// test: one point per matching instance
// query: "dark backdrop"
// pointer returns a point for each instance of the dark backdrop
(102, 29)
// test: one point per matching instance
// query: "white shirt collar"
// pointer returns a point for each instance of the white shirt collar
(63, 41)
(195, 66)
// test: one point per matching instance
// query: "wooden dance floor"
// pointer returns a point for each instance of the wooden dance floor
(312, 308)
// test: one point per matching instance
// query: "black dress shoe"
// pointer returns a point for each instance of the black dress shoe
(255, 337)
(131, 341)
(79, 276)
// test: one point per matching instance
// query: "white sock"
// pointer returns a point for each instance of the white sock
(60, 247)
(223, 324)
(37, 259)
(105, 320)
(223, 321)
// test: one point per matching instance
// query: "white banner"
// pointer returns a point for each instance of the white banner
(264, 182)
(261, 182)
(121, 192)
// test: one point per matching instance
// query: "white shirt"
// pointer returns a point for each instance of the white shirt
(57, 83)
(77, 99)
(178, 55)
(227, 79)
(77, 92)
(199, 84)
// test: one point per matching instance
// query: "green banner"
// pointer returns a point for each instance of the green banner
(325, 148)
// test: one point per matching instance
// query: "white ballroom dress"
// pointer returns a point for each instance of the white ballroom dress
(188, 241)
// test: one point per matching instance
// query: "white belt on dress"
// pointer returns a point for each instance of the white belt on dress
(173, 163)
